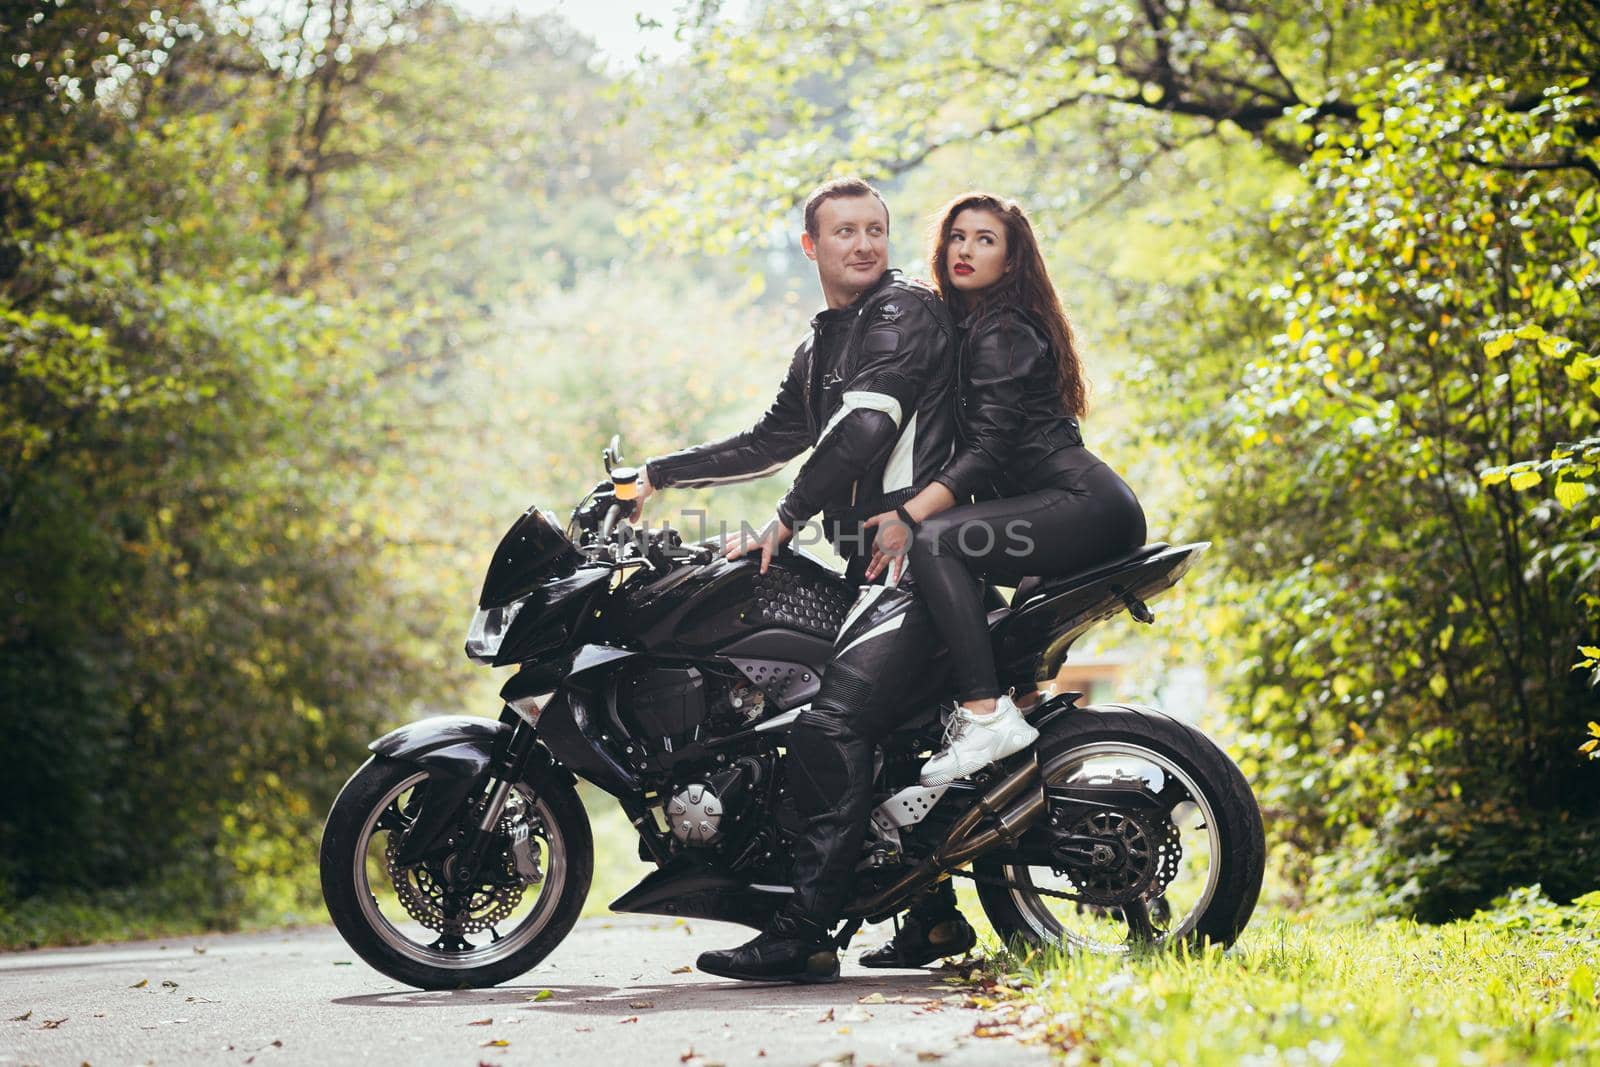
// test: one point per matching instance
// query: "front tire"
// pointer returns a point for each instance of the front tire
(1212, 829)
(391, 917)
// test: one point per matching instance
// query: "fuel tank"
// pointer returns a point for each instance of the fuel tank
(701, 610)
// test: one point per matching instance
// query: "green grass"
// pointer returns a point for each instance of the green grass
(1514, 985)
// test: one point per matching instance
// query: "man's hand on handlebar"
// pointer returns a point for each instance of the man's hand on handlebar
(769, 541)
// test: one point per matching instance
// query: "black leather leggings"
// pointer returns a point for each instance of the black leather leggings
(1090, 517)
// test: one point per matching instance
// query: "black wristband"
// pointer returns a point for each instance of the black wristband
(905, 516)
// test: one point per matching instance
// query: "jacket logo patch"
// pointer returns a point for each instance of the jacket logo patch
(890, 311)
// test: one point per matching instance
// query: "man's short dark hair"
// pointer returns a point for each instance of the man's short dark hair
(836, 189)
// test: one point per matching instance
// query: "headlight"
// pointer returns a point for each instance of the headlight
(488, 630)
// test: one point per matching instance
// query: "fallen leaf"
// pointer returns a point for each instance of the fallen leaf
(140, 984)
(926, 1056)
(200, 1000)
(640, 1005)
(629, 1019)
(24, 1017)
(50, 1024)
(480, 1022)
(543, 994)
(199, 950)
(584, 1029)
(685, 969)
(687, 1056)
(495, 1042)
(828, 1018)
(872, 998)
(167, 983)
(344, 963)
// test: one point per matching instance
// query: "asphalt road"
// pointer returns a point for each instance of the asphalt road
(613, 994)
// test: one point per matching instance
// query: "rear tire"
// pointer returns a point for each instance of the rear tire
(1212, 906)
(381, 933)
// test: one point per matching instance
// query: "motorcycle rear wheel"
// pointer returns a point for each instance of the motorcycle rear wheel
(1212, 826)
(393, 925)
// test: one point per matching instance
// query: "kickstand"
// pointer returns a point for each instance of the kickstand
(842, 942)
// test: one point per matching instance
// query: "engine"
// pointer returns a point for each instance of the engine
(669, 707)
(702, 812)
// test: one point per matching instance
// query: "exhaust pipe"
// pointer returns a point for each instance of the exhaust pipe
(1014, 803)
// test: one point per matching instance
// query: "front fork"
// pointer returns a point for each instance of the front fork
(508, 765)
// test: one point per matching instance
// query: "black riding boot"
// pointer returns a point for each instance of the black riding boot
(931, 930)
(792, 948)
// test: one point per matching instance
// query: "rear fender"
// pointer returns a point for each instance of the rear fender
(1032, 640)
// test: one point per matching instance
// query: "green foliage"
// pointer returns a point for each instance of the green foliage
(1412, 643)
(232, 294)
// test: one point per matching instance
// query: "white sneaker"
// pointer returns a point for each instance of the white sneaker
(972, 742)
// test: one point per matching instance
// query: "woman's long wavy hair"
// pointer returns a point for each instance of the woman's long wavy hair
(1026, 285)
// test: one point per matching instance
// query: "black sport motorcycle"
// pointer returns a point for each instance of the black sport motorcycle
(459, 854)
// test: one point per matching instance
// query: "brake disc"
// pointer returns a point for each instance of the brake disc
(426, 898)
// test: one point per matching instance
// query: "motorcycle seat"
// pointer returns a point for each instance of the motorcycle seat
(1031, 587)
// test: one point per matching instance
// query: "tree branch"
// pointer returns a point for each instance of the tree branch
(1571, 161)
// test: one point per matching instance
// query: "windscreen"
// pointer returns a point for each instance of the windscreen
(531, 551)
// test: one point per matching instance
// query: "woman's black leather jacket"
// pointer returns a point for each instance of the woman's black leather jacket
(1011, 428)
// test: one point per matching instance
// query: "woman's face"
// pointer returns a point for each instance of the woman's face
(975, 255)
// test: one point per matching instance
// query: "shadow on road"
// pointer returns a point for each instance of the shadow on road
(613, 1000)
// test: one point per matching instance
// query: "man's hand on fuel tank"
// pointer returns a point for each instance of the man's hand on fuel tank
(768, 540)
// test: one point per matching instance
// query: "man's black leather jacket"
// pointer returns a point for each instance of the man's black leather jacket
(1012, 427)
(876, 407)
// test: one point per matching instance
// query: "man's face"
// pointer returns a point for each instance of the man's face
(851, 248)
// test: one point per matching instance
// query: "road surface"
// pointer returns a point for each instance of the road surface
(614, 994)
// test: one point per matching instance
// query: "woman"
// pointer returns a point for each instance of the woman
(1048, 506)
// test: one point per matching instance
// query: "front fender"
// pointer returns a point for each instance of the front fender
(451, 740)
(456, 751)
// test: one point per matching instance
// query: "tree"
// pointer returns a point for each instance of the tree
(232, 291)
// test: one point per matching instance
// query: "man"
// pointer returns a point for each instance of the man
(869, 392)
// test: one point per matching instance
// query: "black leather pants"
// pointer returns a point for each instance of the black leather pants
(887, 639)
(1090, 517)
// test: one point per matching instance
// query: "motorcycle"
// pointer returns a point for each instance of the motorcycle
(460, 855)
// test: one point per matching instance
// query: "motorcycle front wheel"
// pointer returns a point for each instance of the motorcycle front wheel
(1189, 872)
(416, 927)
